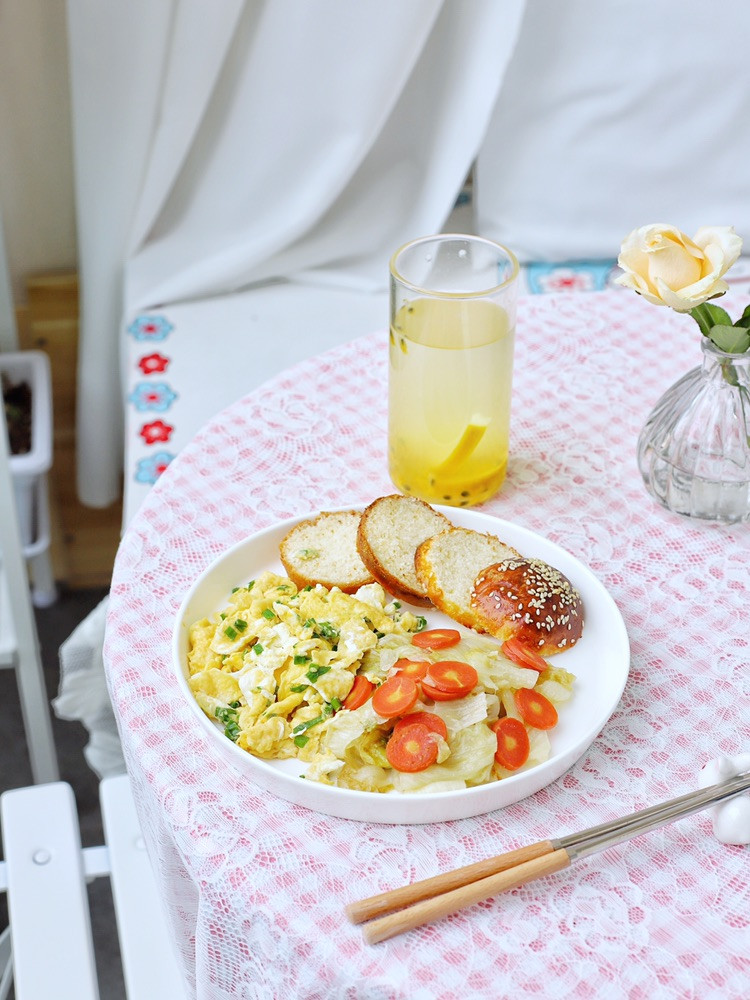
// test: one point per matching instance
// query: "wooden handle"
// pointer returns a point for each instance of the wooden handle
(439, 906)
(396, 899)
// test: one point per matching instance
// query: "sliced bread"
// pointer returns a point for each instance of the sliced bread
(390, 530)
(448, 564)
(324, 550)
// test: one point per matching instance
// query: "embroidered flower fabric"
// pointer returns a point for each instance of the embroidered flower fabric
(170, 394)
(256, 887)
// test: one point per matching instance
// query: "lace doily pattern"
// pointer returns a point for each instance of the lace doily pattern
(256, 887)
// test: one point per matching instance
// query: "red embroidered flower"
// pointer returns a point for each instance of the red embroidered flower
(157, 430)
(150, 364)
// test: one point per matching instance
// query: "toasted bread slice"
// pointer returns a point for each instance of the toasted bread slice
(324, 550)
(390, 530)
(448, 564)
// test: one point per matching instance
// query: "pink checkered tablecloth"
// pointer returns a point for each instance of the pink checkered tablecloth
(256, 887)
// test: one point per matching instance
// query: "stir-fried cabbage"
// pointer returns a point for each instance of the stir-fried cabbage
(471, 760)
(358, 739)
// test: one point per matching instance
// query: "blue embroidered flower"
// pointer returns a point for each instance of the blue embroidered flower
(152, 396)
(149, 469)
(149, 327)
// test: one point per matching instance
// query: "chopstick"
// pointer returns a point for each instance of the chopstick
(422, 902)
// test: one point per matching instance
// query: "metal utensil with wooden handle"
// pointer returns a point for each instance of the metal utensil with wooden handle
(433, 898)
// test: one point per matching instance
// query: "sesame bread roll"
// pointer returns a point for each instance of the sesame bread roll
(528, 600)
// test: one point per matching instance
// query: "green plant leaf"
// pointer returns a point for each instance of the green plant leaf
(730, 339)
(744, 319)
(707, 316)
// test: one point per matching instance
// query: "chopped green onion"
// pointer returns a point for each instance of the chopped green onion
(308, 587)
(421, 623)
(251, 585)
(304, 726)
(315, 672)
(222, 616)
(257, 649)
(233, 731)
(240, 624)
(335, 704)
(235, 589)
(301, 741)
(269, 614)
(299, 688)
(230, 633)
(308, 554)
(229, 717)
(299, 658)
(326, 630)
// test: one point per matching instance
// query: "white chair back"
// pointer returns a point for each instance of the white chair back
(50, 951)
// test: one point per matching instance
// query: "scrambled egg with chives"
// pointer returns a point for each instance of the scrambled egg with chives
(275, 666)
(277, 662)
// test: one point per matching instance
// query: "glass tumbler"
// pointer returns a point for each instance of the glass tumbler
(452, 318)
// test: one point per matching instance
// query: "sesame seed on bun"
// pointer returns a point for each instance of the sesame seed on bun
(528, 600)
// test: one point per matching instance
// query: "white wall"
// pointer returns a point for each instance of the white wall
(36, 167)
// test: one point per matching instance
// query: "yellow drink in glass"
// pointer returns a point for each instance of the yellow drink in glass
(450, 378)
(451, 368)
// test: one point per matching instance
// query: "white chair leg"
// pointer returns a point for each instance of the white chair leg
(44, 590)
(35, 709)
(6, 964)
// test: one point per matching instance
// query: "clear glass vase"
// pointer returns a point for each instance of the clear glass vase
(694, 452)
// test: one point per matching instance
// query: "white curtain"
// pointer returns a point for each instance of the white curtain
(225, 143)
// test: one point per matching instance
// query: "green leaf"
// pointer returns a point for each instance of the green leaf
(730, 339)
(744, 319)
(707, 315)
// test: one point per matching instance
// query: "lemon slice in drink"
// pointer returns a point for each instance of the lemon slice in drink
(472, 435)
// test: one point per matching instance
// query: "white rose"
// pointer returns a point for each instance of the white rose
(669, 269)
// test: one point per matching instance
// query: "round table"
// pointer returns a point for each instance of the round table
(256, 887)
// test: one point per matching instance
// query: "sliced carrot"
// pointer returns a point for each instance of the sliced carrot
(416, 669)
(436, 638)
(535, 709)
(395, 696)
(411, 748)
(438, 694)
(522, 656)
(512, 743)
(359, 692)
(452, 675)
(433, 722)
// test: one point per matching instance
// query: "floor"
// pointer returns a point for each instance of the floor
(54, 625)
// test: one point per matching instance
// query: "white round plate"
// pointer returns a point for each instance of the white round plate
(600, 662)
